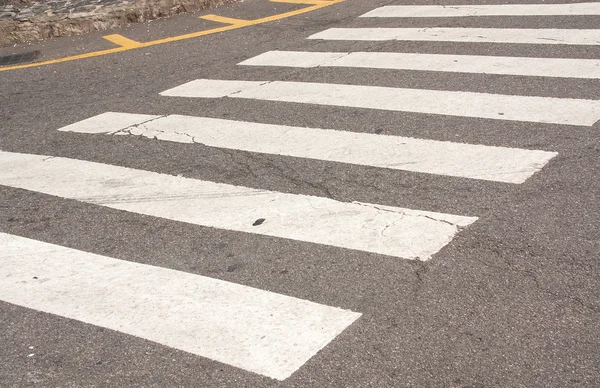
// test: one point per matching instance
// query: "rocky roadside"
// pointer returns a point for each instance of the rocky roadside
(25, 20)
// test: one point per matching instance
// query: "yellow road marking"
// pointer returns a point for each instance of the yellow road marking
(122, 41)
(321, 4)
(128, 44)
(224, 20)
(313, 2)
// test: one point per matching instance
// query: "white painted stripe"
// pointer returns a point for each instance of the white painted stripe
(427, 11)
(541, 67)
(476, 35)
(256, 330)
(401, 153)
(303, 59)
(467, 104)
(399, 232)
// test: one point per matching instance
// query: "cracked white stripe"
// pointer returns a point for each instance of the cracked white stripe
(475, 35)
(499, 164)
(410, 234)
(428, 11)
(467, 104)
(540, 67)
(256, 330)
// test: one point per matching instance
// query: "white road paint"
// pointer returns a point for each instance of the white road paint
(409, 234)
(428, 11)
(541, 67)
(476, 35)
(401, 153)
(252, 329)
(302, 59)
(466, 104)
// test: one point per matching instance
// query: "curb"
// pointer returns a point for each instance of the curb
(27, 27)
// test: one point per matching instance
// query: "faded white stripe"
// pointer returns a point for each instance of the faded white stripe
(427, 11)
(401, 153)
(541, 67)
(399, 232)
(476, 35)
(467, 104)
(256, 330)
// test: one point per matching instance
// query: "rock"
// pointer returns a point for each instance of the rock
(24, 16)
(7, 15)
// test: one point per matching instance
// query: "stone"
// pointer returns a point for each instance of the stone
(7, 15)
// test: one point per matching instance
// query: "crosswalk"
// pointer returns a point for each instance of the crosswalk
(546, 36)
(436, 11)
(466, 104)
(279, 333)
(185, 311)
(386, 230)
(475, 64)
(473, 161)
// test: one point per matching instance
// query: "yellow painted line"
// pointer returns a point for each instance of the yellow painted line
(250, 23)
(129, 44)
(284, 15)
(224, 20)
(122, 41)
(313, 2)
(66, 59)
(193, 35)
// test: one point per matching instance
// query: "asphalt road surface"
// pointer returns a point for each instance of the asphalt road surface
(354, 196)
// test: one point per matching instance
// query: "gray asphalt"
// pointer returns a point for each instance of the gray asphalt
(512, 301)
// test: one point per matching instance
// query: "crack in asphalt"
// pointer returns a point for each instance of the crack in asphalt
(512, 267)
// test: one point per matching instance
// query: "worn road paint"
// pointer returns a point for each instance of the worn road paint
(225, 20)
(428, 11)
(404, 233)
(128, 44)
(122, 41)
(540, 67)
(313, 2)
(466, 104)
(475, 35)
(498, 164)
(259, 331)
